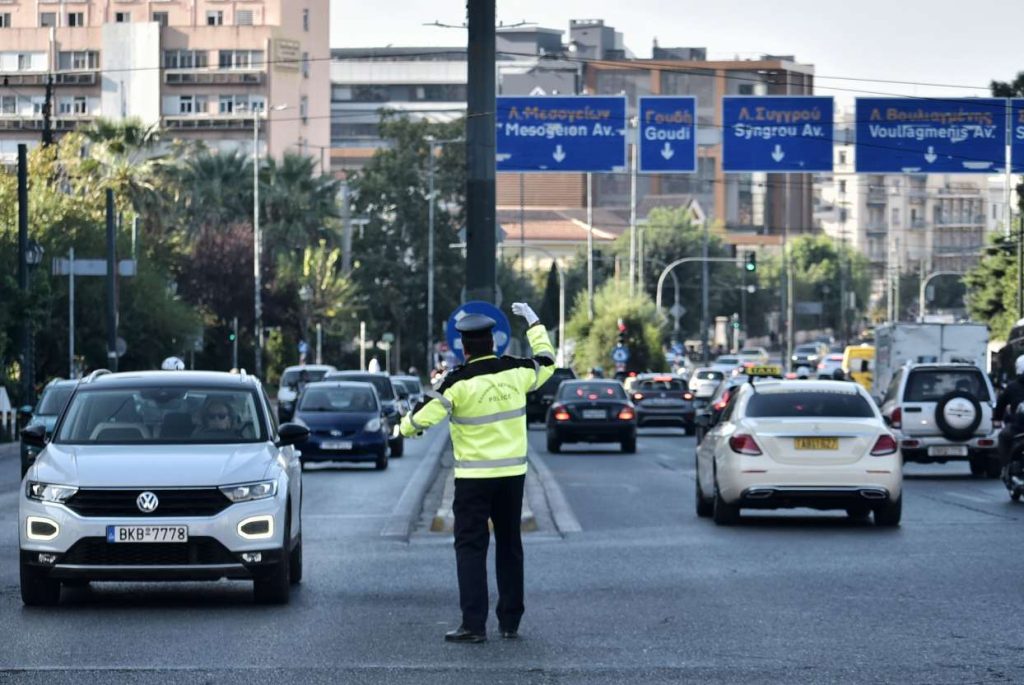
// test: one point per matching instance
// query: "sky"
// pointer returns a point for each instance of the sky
(930, 45)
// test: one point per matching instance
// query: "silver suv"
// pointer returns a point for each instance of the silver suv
(167, 475)
(943, 412)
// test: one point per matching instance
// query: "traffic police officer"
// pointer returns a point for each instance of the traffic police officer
(485, 400)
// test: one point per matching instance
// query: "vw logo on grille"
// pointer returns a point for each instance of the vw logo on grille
(147, 502)
(335, 433)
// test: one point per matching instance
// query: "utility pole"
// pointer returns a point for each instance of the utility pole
(1020, 268)
(481, 239)
(430, 259)
(590, 246)
(632, 211)
(234, 343)
(704, 297)
(346, 229)
(48, 111)
(111, 283)
(27, 363)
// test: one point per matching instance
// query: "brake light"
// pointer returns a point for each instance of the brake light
(744, 444)
(720, 404)
(561, 414)
(896, 418)
(885, 445)
(627, 414)
(637, 396)
(821, 366)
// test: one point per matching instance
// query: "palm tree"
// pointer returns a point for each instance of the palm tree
(296, 204)
(216, 189)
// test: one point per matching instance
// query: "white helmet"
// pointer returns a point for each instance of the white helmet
(172, 364)
(1019, 365)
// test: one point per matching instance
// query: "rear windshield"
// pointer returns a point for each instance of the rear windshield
(291, 378)
(412, 387)
(381, 383)
(671, 384)
(591, 391)
(710, 375)
(929, 385)
(728, 361)
(551, 384)
(339, 399)
(806, 349)
(54, 400)
(810, 404)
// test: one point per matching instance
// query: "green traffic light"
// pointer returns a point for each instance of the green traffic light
(751, 267)
(231, 337)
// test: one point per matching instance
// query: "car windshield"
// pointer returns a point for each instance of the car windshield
(661, 384)
(53, 400)
(753, 351)
(929, 385)
(380, 382)
(411, 386)
(806, 349)
(339, 399)
(809, 404)
(728, 361)
(591, 391)
(291, 378)
(710, 375)
(162, 415)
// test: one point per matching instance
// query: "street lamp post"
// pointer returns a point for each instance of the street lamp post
(924, 285)
(257, 246)
(431, 202)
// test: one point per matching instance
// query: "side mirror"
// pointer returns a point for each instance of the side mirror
(291, 434)
(26, 409)
(34, 436)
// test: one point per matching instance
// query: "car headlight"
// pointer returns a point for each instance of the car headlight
(46, 492)
(250, 491)
(372, 426)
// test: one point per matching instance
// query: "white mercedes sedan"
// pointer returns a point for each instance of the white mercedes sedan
(788, 444)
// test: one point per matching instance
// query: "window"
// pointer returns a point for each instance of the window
(47, 18)
(226, 104)
(305, 65)
(842, 187)
(5, 20)
(79, 105)
(160, 18)
(122, 17)
(928, 385)
(185, 59)
(305, 20)
(243, 18)
(214, 17)
(240, 59)
(304, 108)
(78, 59)
(842, 156)
(746, 89)
(811, 404)
(76, 18)
(8, 104)
(73, 105)
(24, 62)
(186, 104)
(591, 391)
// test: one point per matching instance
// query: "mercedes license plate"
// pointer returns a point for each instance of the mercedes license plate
(595, 414)
(336, 445)
(817, 443)
(948, 451)
(147, 534)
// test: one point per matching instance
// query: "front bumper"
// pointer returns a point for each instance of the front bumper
(218, 534)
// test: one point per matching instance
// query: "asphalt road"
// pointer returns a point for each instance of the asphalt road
(646, 593)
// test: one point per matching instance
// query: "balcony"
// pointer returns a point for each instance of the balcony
(917, 195)
(214, 77)
(877, 196)
(918, 223)
(965, 250)
(207, 122)
(876, 228)
(962, 220)
(61, 122)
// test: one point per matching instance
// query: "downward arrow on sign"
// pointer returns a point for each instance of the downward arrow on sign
(930, 156)
(778, 154)
(667, 152)
(558, 154)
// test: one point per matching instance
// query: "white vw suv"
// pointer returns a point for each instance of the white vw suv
(163, 476)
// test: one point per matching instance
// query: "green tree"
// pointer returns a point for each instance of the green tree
(992, 287)
(595, 340)
(819, 267)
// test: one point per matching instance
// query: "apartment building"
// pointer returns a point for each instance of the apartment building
(430, 83)
(201, 69)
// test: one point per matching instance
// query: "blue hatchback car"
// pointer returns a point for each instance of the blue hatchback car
(346, 423)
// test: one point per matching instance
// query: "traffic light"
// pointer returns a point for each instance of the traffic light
(622, 332)
(751, 261)
(231, 336)
(735, 321)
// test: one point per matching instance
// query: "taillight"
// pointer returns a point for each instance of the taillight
(560, 414)
(627, 414)
(744, 444)
(884, 446)
(896, 418)
(687, 395)
(637, 396)
(821, 366)
(721, 404)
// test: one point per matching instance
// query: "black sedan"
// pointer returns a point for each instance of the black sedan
(664, 401)
(538, 401)
(591, 411)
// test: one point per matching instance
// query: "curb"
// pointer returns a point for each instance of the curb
(407, 511)
(564, 518)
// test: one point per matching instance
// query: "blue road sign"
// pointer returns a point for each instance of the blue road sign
(1017, 135)
(584, 133)
(502, 332)
(913, 135)
(776, 134)
(620, 355)
(668, 134)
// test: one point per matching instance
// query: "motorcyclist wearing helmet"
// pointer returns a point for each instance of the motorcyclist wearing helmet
(172, 364)
(1006, 411)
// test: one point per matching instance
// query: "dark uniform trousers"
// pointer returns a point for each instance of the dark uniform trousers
(500, 500)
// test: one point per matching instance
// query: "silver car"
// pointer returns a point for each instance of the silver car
(163, 476)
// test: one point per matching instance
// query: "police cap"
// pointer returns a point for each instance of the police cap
(475, 326)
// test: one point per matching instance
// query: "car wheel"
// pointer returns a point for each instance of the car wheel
(37, 590)
(977, 466)
(888, 515)
(398, 447)
(295, 563)
(554, 444)
(381, 462)
(705, 507)
(858, 513)
(629, 445)
(723, 513)
(276, 588)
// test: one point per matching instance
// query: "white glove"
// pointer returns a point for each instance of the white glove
(522, 309)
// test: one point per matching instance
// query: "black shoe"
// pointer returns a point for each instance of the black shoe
(509, 634)
(461, 634)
